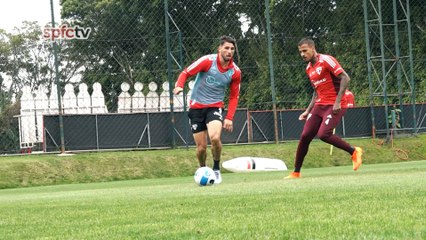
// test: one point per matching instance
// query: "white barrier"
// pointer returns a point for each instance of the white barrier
(124, 99)
(41, 108)
(138, 99)
(98, 99)
(84, 103)
(254, 164)
(27, 120)
(152, 98)
(69, 100)
(165, 98)
(53, 100)
(33, 108)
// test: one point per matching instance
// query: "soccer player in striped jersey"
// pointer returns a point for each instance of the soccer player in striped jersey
(327, 106)
(215, 73)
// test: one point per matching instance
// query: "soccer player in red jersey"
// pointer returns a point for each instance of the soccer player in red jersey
(350, 99)
(327, 106)
(215, 73)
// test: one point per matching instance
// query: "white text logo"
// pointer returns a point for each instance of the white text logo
(65, 32)
(315, 83)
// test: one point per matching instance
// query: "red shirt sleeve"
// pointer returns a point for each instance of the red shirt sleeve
(332, 65)
(234, 94)
(203, 64)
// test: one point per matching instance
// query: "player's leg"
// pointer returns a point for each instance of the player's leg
(329, 122)
(200, 139)
(199, 131)
(325, 133)
(310, 129)
(214, 121)
(214, 132)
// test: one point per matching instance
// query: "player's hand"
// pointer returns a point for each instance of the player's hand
(227, 125)
(177, 90)
(336, 108)
(303, 116)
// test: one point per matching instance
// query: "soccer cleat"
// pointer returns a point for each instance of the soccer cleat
(356, 158)
(293, 175)
(218, 176)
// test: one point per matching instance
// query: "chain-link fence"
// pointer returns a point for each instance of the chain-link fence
(118, 60)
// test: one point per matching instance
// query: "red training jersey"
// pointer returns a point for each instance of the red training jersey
(323, 77)
(350, 99)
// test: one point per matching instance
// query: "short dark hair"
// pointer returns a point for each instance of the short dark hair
(224, 39)
(307, 40)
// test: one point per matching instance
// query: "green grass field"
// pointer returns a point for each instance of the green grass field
(89, 167)
(380, 201)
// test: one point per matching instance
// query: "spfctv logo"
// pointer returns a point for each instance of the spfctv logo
(65, 32)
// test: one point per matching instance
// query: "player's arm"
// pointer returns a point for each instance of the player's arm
(344, 82)
(309, 108)
(234, 94)
(336, 69)
(203, 64)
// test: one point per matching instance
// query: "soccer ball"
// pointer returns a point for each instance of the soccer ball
(204, 176)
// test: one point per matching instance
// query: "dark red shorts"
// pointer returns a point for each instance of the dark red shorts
(321, 120)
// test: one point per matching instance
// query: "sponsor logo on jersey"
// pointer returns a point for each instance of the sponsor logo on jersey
(316, 83)
(211, 81)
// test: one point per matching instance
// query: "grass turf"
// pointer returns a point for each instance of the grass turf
(380, 201)
(50, 169)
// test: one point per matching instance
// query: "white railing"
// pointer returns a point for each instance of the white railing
(36, 104)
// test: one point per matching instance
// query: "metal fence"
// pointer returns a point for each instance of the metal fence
(141, 130)
(128, 55)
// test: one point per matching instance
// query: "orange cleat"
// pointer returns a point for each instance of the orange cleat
(293, 175)
(356, 158)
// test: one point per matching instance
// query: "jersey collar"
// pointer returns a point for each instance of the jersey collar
(219, 66)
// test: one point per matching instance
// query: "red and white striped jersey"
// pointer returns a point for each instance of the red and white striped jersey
(323, 77)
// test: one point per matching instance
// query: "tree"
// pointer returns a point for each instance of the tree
(9, 134)
(27, 59)
(126, 43)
